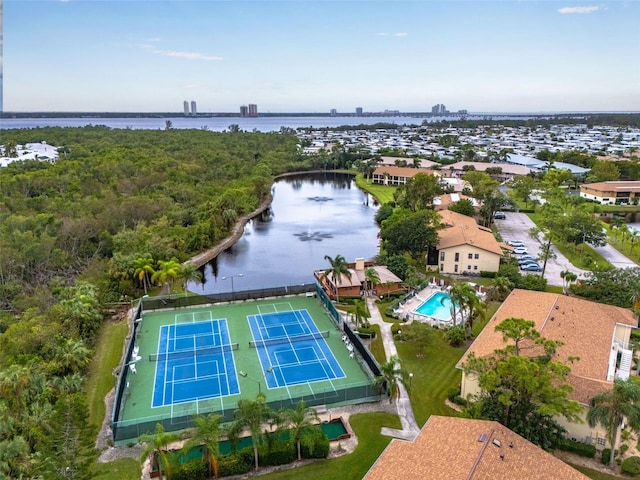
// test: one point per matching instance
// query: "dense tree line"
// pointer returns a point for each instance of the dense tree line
(120, 209)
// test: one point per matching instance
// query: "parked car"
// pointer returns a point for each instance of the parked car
(515, 243)
(520, 251)
(526, 261)
(499, 215)
(531, 267)
(527, 257)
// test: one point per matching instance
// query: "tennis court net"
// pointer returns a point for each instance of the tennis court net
(289, 339)
(218, 349)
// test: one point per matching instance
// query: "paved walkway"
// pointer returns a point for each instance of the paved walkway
(410, 429)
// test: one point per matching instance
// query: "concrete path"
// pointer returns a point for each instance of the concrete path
(410, 429)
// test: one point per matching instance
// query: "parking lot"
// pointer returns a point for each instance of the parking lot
(516, 226)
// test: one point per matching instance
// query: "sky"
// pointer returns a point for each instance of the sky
(313, 56)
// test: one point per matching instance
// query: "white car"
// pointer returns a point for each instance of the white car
(515, 243)
(520, 251)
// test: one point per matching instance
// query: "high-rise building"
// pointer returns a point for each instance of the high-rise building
(439, 109)
(185, 105)
(244, 111)
(358, 111)
(333, 112)
(253, 110)
(194, 111)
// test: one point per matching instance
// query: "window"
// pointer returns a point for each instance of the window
(475, 267)
(477, 256)
(601, 441)
(442, 256)
(457, 259)
(455, 267)
(442, 267)
(470, 256)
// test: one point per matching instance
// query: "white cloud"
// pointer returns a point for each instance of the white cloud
(187, 55)
(570, 10)
(397, 34)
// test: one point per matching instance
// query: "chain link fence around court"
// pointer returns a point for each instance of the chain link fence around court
(346, 394)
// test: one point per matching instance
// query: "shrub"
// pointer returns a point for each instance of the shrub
(454, 336)
(606, 455)
(623, 448)
(485, 274)
(579, 448)
(366, 332)
(280, 454)
(234, 465)
(395, 327)
(452, 393)
(625, 435)
(631, 465)
(192, 470)
(315, 445)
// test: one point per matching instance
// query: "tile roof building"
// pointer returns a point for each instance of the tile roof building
(394, 176)
(465, 246)
(459, 449)
(611, 193)
(595, 346)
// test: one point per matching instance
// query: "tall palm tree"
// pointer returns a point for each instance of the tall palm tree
(300, 421)
(360, 311)
(188, 272)
(339, 268)
(372, 278)
(207, 433)
(501, 288)
(71, 356)
(612, 407)
(252, 414)
(392, 374)
(168, 271)
(461, 294)
(476, 308)
(156, 445)
(144, 270)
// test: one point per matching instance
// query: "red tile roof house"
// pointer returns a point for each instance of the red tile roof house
(392, 175)
(465, 246)
(597, 334)
(460, 448)
(357, 284)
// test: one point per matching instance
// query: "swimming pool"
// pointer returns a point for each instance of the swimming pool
(437, 306)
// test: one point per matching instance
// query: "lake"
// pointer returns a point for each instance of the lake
(312, 215)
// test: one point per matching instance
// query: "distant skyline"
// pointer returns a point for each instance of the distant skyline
(314, 56)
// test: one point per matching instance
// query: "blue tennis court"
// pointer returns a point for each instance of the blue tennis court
(291, 349)
(194, 362)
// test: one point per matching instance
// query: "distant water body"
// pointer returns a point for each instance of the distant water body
(219, 124)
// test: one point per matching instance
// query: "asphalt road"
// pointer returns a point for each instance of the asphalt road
(516, 226)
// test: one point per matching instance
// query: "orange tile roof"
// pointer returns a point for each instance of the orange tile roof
(459, 448)
(463, 230)
(403, 171)
(586, 328)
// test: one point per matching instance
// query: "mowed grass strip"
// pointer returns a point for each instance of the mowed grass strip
(121, 469)
(100, 378)
(354, 465)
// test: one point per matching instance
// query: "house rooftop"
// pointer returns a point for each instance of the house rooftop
(460, 448)
(585, 328)
(460, 230)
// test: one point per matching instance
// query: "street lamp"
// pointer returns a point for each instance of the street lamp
(410, 379)
(244, 374)
(232, 277)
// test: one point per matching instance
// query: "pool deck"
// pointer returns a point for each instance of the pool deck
(408, 310)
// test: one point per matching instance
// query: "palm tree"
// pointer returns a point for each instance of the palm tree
(144, 270)
(392, 374)
(188, 272)
(207, 433)
(567, 277)
(252, 414)
(300, 422)
(372, 278)
(156, 446)
(477, 308)
(339, 268)
(461, 294)
(501, 288)
(71, 356)
(612, 407)
(360, 311)
(167, 273)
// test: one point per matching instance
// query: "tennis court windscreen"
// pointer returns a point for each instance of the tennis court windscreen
(194, 353)
(289, 339)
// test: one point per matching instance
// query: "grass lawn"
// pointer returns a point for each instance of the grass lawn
(124, 469)
(355, 465)
(382, 193)
(100, 378)
(595, 474)
(377, 347)
(435, 374)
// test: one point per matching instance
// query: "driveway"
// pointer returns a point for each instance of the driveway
(614, 257)
(516, 226)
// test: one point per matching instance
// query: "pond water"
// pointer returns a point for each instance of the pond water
(312, 215)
